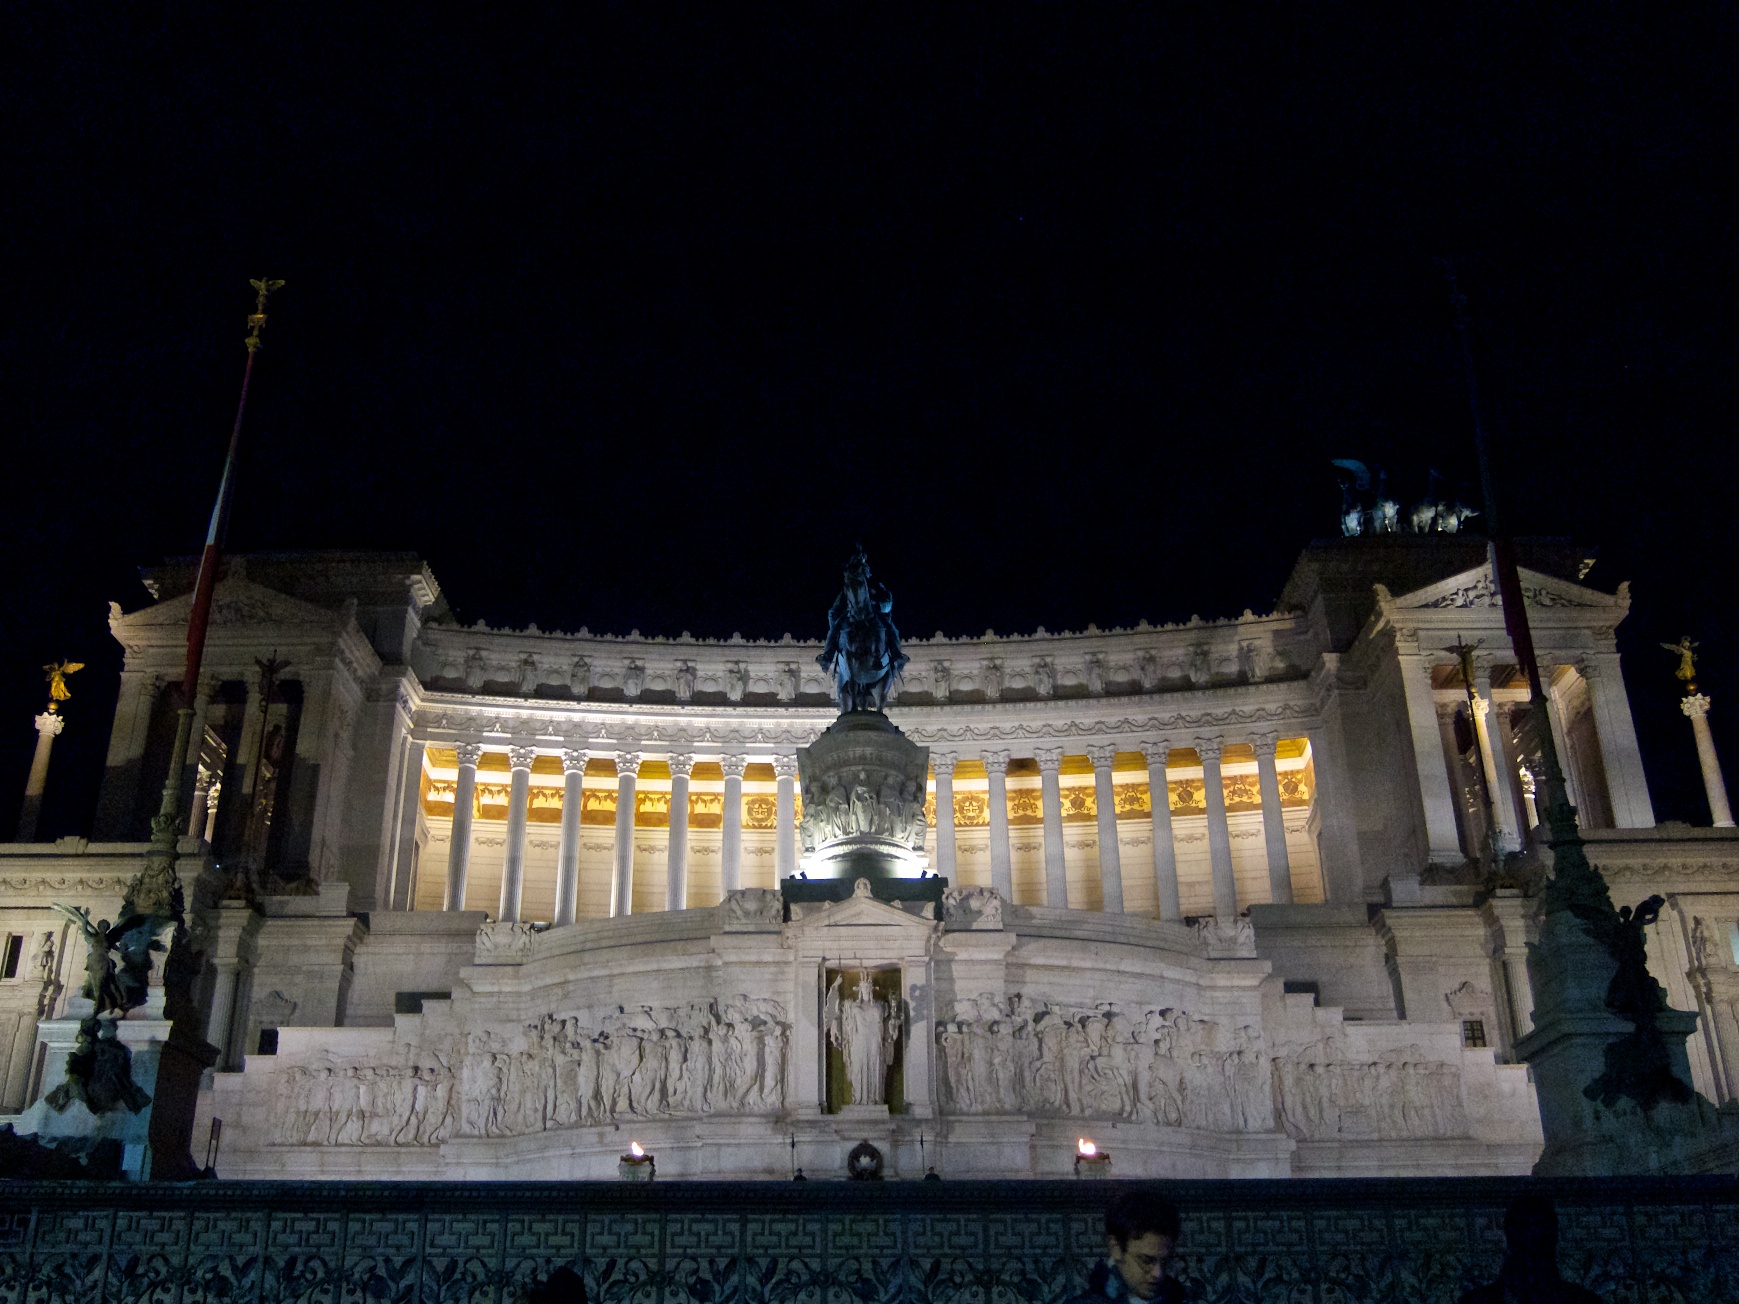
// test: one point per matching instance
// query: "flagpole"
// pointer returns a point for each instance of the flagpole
(156, 890)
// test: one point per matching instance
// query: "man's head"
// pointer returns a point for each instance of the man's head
(1140, 1237)
(1531, 1229)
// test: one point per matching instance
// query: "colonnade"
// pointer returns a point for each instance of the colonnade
(1049, 758)
(628, 765)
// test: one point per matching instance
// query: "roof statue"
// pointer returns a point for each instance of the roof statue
(863, 646)
(56, 673)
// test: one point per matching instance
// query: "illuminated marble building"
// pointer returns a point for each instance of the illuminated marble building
(1246, 848)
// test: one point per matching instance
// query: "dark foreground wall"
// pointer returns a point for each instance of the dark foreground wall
(832, 1242)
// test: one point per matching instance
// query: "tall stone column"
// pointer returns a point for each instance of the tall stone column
(1696, 707)
(676, 865)
(393, 888)
(464, 810)
(1443, 842)
(568, 853)
(1561, 740)
(1219, 832)
(1050, 761)
(1158, 753)
(1001, 869)
(519, 760)
(622, 880)
(1110, 857)
(943, 764)
(1503, 811)
(785, 818)
(197, 814)
(731, 824)
(1273, 819)
(1620, 754)
(48, 727)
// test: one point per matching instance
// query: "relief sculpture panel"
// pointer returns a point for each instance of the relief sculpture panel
(1164, 1066)
(1328, 1092)
(711, 1057)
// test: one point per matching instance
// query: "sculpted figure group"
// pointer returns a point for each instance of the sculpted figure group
(1325, 1092)
(834, 808)
(1160, 1066)
(725, 1057)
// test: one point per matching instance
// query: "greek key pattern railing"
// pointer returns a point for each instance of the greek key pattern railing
(832, 1243)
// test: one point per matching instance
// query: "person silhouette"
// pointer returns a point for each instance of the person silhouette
(1529, 1274)
(563, 1286)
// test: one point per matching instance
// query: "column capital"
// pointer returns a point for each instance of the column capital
(1265, 744)
(785, 767)
(1157, 750)
(943, 763)
(1102, 755)
(681, 765)
(1481, 707)
(521, 758)
(468, 753)
(1050, 759)
(996, 760)
(50, 724)
(733, 765)
(628, 763)
(1696, 705)
(1210, 749)
(574, 760)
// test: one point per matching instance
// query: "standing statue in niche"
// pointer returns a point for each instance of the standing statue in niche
(867, 1031)
(863, 646)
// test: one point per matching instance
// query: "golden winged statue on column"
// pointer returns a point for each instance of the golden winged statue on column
(56, 673)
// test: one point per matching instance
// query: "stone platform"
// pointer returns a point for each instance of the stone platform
(832, 1242)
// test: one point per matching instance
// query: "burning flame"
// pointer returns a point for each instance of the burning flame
(1085, 1148)
(637, 1150)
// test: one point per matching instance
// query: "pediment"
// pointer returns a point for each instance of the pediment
(863, 913)
(1475, 589)
(236, 601)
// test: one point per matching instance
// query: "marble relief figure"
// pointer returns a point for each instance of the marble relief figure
(867, 1032)
(712, 1057)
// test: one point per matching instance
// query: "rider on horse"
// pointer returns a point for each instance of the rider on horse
(863, 647)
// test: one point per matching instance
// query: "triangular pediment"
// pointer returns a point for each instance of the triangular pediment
(859, 912)
(236, 601)
(1475, 589)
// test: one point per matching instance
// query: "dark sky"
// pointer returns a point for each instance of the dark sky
(641, 315)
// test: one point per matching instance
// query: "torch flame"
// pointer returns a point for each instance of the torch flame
(1085, 1148)
(636, 1149)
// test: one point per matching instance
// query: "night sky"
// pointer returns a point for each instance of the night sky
(641, 316)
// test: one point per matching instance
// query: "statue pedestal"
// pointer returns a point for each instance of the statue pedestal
(76, 1127)
(1567, 1051)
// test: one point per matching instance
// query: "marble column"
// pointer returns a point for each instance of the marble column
(1561, 740)
(1219, 832)
(1621, 756)
(1110, 857)
(399, 814)
(1508, 767)
(622, 880)
(464, 810)
(568, 854)
(785, 818)
(48, 727)
(1001, 870)
(1442, 838)
(1158, 753)
(676, 865)
(1273, 819)
(519, 761)
(731, 824)
(1503, 811)
(1050, 761)
(1696, 707)
(197, 814)
(943, 764)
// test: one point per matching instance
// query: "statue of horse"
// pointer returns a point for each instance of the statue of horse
(863, 646)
